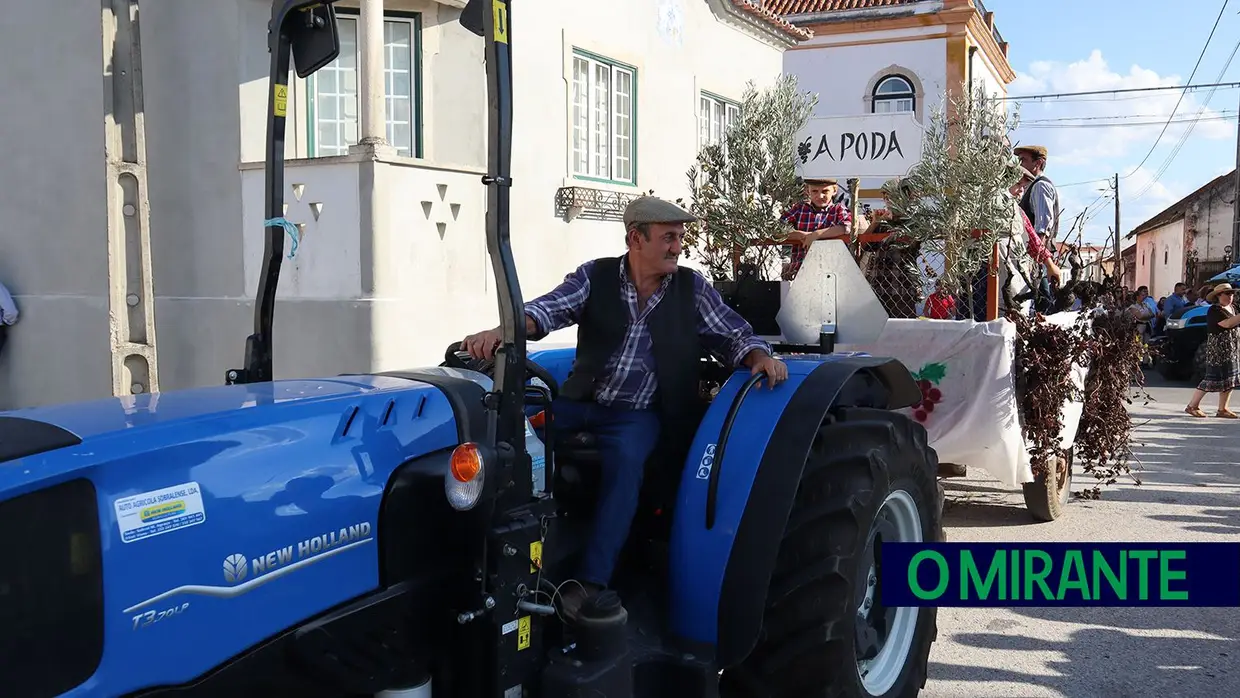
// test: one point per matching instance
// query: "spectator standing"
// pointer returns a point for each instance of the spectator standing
(8, 315)
(1222, 354)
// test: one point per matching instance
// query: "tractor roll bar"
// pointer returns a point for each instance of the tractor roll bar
(300, 26)
(506, 406)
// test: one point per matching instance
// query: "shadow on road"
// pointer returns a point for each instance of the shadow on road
(1127, 652)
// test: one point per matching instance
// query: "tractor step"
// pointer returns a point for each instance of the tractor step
(952, 470)
(631, 660)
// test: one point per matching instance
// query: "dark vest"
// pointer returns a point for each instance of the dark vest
(673, 328)
(1026, 199)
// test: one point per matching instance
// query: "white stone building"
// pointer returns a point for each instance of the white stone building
(882, 56)
(610, 98)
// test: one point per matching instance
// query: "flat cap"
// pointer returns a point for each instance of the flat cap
(1039, 150)
(652, 209)
(821, 180)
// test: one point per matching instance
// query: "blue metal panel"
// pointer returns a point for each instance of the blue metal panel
(558, 362)
(699, 556)
(284, 525)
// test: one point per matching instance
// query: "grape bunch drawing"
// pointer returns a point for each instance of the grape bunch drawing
(928, 379)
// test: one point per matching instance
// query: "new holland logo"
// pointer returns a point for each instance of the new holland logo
(243, 574)
(236, 568)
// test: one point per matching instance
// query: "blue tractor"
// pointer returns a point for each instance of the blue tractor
(382, 535)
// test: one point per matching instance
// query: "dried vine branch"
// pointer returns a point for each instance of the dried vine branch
(1107, 342)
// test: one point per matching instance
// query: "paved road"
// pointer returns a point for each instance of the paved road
(1191, 492)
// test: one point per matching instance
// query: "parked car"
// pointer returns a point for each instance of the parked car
(1184, 335)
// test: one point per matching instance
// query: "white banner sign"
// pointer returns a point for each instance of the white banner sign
(870, 145)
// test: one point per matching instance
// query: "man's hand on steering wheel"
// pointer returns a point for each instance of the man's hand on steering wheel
(482, 345)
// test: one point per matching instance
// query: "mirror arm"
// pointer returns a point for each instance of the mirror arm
(258, 346)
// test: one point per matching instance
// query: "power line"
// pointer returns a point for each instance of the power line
(1181, 99)
(1184, 138)
(1096, 118)
(1023, 98)
(1223, 116)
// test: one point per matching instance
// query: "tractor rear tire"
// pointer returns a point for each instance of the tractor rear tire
(1047, 503)
(863, 462)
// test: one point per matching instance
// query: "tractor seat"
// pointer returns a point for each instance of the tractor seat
(577, 471)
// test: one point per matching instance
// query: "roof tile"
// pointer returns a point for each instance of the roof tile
(796, 7)
(763, 12)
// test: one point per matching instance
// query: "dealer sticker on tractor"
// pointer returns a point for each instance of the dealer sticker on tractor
(151, 513)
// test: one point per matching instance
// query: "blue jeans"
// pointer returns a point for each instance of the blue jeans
(625, 440)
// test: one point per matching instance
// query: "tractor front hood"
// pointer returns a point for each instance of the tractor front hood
(31, 431)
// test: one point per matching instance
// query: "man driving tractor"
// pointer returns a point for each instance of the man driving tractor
(643, 324)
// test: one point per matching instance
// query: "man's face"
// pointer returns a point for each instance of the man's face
(662, 250)
(820, 194)
(1030, 161)
(1180, 289)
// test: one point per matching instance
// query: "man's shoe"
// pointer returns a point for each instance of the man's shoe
(575, 597)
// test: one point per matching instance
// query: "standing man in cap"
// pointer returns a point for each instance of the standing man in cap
(1040, 203)
(818, 217)
(643, 322)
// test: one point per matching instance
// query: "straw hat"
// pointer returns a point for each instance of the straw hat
(1219, 290)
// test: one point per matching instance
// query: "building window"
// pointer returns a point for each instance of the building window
(894, 93)
(715, 116)
(333, 112)
(604, 127)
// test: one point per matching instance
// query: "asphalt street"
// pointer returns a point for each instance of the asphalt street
(1190, 491)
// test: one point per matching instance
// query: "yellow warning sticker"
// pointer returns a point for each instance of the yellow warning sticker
(523, 633)
(500, 9)
(281, 105)
(535, 556)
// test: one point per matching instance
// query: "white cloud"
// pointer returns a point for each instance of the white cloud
(1074, 146)
(1079, 154)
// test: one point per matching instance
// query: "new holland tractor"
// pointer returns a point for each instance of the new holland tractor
(382, 535)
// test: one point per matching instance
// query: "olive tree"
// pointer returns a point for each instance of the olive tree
(741, 186)
(955, 199)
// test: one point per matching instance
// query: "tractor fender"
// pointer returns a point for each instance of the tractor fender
(719, 574)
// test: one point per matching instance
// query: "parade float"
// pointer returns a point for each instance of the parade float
(1026, 397)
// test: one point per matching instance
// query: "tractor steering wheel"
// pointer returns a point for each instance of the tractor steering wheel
(455, 357)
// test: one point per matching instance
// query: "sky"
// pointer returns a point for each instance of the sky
(1060, 46)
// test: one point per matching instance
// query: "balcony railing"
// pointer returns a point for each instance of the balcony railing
(994, 30)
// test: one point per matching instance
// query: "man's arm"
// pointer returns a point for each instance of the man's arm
(561, 306)
(724, 332)
(551, 311)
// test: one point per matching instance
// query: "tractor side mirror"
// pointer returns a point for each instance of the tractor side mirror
(315, 37)
(471, 16)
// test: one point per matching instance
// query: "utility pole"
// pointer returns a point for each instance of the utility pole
(1235, 203)
(131, 294)
(1119, 258)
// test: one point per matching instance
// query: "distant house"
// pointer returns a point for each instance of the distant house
(884, 56)
(1188, 241)
(1093, 266)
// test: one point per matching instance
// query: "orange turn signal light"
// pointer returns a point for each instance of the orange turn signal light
(539, 420)
(466, 462)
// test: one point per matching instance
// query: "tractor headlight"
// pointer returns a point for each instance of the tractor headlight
(1176, 324)
(467, 474)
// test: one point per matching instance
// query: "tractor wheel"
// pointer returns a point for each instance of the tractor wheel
(1046, 502)
(869, 478)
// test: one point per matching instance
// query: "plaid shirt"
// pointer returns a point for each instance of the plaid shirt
(807, 218)
(629, 380)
